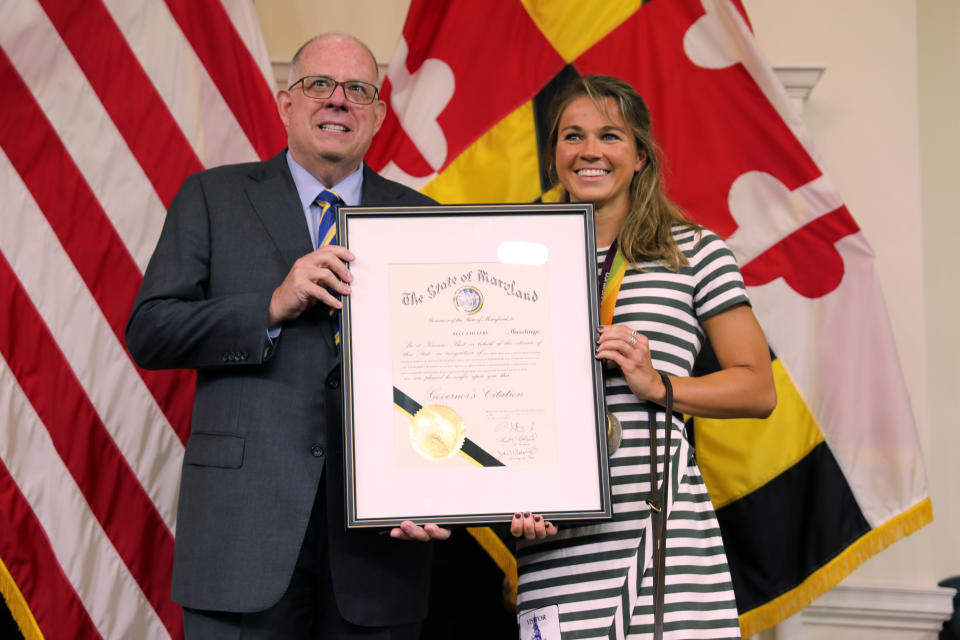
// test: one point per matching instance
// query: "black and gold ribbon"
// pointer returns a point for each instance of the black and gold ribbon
(469, 450)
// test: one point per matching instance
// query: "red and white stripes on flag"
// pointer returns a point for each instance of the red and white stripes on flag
(107, 106)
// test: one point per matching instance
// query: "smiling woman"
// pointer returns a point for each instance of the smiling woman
(597, 157)
(668, 284)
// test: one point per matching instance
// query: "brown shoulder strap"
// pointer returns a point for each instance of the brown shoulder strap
(658, 506)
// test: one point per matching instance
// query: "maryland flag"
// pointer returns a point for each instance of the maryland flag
(835, 474)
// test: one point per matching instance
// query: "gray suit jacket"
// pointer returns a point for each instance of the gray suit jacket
(266, 418)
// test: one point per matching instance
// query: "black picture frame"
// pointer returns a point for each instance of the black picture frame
(471, 390)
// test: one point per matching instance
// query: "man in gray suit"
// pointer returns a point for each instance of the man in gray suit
(238, 290)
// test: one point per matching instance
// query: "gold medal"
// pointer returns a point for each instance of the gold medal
(614, 433)
(437, 432)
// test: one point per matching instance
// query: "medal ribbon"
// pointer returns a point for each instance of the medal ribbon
(611, 278)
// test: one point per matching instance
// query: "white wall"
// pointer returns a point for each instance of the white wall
(939, 54)
(287, 24)
(884, 118)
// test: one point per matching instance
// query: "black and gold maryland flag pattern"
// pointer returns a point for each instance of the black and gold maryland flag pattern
(835, 474)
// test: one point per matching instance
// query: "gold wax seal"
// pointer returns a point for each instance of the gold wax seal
(437, 432)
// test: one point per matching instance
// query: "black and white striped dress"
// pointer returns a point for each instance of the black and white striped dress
(600, 575)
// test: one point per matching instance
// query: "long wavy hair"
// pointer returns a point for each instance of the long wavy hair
(646, 233)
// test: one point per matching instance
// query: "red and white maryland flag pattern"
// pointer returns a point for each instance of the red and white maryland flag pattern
(836, 473)
(107, 106)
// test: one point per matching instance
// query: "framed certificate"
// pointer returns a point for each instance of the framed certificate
(471, 387)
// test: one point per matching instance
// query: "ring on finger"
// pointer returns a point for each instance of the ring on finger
(633, 338)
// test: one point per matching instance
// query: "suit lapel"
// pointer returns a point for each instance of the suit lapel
(274, 198)
(377, 190)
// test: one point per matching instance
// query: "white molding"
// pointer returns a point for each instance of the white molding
(280, 67)
(799, 79)
(882, 608)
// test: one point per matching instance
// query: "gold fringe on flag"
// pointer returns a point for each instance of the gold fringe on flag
(827, 577)
(18, 605)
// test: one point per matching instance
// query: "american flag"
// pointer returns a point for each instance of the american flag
(107, 106)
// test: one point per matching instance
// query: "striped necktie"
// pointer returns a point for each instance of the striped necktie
(327, 231)
(329, 201)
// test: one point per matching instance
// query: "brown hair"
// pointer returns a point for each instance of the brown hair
(646, 232)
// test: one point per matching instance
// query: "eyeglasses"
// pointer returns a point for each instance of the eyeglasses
(322, 87)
